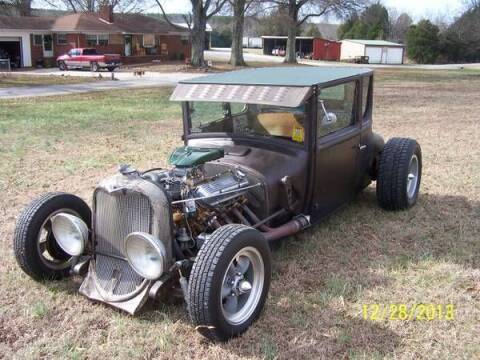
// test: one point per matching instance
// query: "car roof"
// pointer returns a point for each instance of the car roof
(282, 76)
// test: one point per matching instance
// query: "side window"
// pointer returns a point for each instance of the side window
(207, 117)
(366, 89)
(335, 108)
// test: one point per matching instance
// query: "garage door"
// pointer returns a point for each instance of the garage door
(10, 48)
(374, 54)
(394, 56)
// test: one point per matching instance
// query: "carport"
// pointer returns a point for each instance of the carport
(304, 44)
(10, 48)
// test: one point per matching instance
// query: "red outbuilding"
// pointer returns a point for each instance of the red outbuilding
(324, 49)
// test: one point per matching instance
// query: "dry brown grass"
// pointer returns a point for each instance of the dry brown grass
(14, 80)
(360, 255)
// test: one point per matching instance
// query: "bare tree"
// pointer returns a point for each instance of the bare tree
(196, 23)
(16, 7)
(399, 26)
(300, 11)
(240, 7)
(124, 6)
(471, 4)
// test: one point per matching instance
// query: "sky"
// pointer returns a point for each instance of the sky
(416, 8)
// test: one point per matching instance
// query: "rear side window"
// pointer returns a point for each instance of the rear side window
(365, 92)
(89, 52)
(335, 108)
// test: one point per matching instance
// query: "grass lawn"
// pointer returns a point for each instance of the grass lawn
(14, 80)
(322, 278)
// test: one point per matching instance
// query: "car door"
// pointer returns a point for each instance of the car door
(337, 147)
(74, 58)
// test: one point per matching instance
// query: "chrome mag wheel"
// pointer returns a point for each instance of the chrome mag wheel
(412, 177)
(242, 285)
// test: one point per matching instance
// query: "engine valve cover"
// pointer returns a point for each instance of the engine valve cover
(215, 189)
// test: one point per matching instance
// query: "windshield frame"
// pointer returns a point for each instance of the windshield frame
(188, 134)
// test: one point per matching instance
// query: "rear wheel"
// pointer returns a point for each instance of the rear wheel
(229, 282)
(36, 250)
(94, 66)
(399, 174)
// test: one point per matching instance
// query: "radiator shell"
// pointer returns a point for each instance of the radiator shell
(121, 205)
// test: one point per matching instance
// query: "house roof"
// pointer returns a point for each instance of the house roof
(26, 22)
(374, 42)
(89, 22)
(301, 76)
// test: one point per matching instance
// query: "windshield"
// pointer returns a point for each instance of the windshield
(248, 120)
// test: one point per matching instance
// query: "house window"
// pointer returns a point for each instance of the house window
(97, 39)
(62, 39)
(184, 39)
(148, 40)
(103, 39)
(37, 40)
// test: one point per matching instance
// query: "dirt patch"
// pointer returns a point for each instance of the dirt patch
(15, 80)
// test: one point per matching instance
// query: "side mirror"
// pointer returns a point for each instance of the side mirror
(329, 119)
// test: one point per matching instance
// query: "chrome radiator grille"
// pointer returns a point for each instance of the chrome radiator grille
(116, 216)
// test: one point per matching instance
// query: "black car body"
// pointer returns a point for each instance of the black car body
(267, 153)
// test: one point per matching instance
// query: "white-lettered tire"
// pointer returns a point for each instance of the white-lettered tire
(399, 174)
(229, 282)
(35, 247)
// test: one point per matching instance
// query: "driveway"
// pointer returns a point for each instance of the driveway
(124, 81)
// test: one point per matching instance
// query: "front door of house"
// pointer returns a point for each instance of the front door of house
(128, 45)
(47, 45)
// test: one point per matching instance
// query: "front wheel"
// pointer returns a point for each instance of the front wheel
(36, 249)
(62, 66)
(399, 174)
(229, 282)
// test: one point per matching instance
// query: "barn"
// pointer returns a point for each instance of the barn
(324, 49)
(378, 51)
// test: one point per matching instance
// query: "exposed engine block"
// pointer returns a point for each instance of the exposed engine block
(227, 184)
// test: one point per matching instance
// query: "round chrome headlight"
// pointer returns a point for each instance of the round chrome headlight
(145, 254)
(71, 233)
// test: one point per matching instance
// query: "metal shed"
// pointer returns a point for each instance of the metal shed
(378, 51)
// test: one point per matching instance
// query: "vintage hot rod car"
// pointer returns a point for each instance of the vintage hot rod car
(267, 153)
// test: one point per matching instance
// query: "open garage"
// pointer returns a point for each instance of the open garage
(303, 45)
(10, 48)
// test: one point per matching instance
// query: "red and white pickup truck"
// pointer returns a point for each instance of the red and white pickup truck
(88, 58)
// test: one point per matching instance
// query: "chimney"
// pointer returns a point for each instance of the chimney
(106, 13)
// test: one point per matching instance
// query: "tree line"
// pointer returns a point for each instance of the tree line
(426, 41)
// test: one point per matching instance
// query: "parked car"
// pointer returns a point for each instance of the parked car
(88, 58)
(361, 59)
(267, 153)
(278, 51)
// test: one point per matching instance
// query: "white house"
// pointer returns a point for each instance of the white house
(378, 51)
